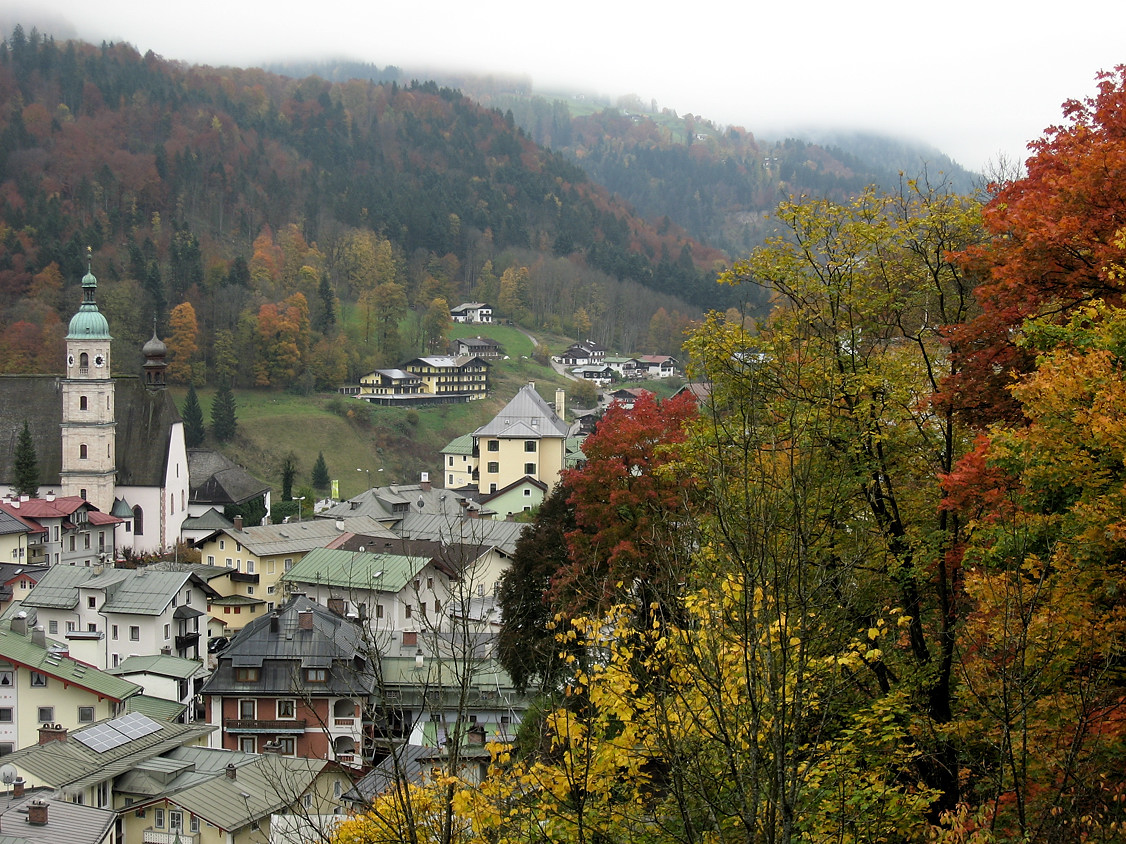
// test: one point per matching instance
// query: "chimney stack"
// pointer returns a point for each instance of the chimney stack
(238, 522)
(231, 770)
(305, 620)
(19, 623)
(39, 636)
(560, 401)
(52, 732)
(425, 482)
(37, 813)
(17, 787)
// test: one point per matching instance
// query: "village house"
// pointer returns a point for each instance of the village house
(628, 369)
(166, 677)
(464, 377)
(481, 347)
(472, 312)
(66, 530)
(298, 679)
(43, 687)
(582, 353)
(49, 819)
(659, 366)
(108, 615)
(17, 581)
(526, 439)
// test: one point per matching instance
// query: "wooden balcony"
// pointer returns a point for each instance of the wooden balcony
(256, 725)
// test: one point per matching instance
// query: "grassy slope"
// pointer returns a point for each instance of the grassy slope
(354, 435)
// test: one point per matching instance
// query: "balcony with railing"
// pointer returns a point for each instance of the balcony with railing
(257, 725)
(164, 836)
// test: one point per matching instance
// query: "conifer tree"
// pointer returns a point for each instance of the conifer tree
(192, 414)
(288, 473)
(26, 464)
(321, 480)
(224, 425)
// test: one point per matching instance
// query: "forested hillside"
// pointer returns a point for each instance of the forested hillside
(717, 182)
(290, 231)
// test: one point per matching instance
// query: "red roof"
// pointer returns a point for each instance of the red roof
(61, 507)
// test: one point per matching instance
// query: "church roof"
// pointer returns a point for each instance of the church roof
(144, 424)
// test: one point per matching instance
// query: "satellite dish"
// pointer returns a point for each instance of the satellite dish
(8, 774)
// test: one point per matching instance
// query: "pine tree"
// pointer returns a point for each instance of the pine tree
(289, 472)
(321, 480)
(26, 464)
(192, 414)
(224, 425)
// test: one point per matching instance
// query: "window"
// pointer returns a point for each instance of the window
(85, 714)
(6, 678)
(529, 468)
(113, 632)
(194, 824)
(246, 744)
(92, 602)
(83, 404)
(249, 590)
(527, 493)
(45, 714)
(529, 445)
(451, 460)
(247, 710)
(6, 715)
(246, 675)
(270, 590)
(167, 632)
(116, 660)
(158, 818)
(316, 675)
(210, 559)
(176, 821)
(437, 608)
(6, 747)
(493, 467)
(429, 582)
(138, 519)
(134, 633)
(91, 627)
(379, 610)
(87, 544)
(38, 681)
(250, 566)
(287, 709)
(422, 609)
(288, 563)
(82, 451)
(222, 545)
(72, 542)
(407, 610)
(52, 627)
(494, 445)
(287, 745)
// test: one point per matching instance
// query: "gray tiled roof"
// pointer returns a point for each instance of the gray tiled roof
(73, 823)
(527, 416)
(279, 649)
(300, 537)
(213, 479)
(463, 530)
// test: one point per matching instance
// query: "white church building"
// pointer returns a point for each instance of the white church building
(115, 441)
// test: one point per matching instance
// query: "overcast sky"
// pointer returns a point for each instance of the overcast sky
(978, 79)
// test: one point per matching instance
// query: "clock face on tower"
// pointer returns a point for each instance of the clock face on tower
(70, 360)
(99, 361)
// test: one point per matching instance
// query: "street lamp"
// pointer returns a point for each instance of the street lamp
(369, 475)
(299, 500)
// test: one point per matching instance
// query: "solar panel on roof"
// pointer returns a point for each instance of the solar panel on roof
(119, 731)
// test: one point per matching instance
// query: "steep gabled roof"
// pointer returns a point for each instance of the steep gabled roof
(213, 479)
(357, 570)
(526, 416)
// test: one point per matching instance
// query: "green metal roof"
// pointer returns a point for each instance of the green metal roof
(58, 587)
(355, 570)
(460, 445)
(165, 665)
(19, 649)
(156, 708)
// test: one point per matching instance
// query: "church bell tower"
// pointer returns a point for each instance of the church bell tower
(89, 463)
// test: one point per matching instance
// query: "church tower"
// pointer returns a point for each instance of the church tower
(89, 464)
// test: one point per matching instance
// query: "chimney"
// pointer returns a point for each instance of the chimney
(52, 732)
(560, 402)
(238, 522)
(19, 623)
(274, 625)
(38, 636)
(37, 813)
(272, 747)
(305, 620)
(476, 734)
(231, 770)
(17, 787)
(425, 482)
(50, 496)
